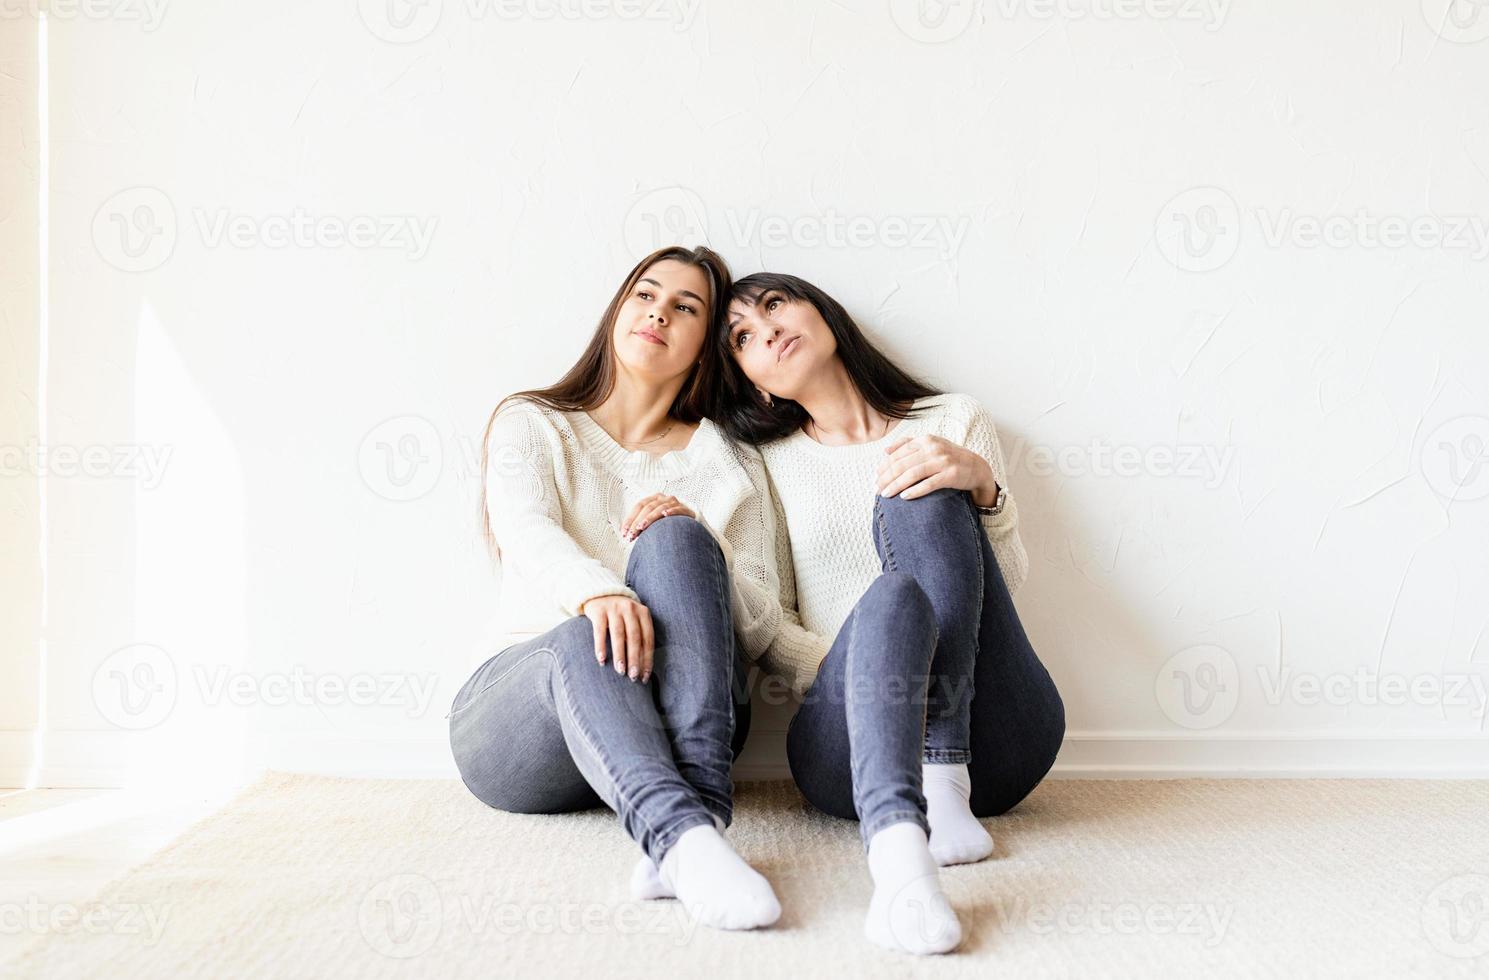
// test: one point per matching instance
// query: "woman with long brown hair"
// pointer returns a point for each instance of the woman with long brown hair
(631, 535)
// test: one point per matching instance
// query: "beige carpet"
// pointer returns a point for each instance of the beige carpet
(320, 877)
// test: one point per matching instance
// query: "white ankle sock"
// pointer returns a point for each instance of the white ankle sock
(646, 877)
(956, 836)
(908, 911)
(714, 884)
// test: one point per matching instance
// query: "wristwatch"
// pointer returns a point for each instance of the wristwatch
(997, 507)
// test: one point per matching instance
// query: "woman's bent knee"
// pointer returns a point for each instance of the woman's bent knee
(677, 533)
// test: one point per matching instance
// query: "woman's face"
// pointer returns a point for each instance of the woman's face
(661, 326)
(779, 342)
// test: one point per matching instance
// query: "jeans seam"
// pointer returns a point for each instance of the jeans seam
(715, 557)
(497, 679)
(589, 743)
(855, 782)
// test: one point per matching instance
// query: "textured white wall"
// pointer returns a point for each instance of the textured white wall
(1219, 270)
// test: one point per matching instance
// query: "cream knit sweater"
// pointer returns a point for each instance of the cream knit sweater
(824, 503)
(558, 488)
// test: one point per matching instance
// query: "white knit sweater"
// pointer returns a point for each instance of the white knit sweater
(558, 488)
(824, 502)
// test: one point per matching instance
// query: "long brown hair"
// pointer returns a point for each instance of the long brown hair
(589, 382)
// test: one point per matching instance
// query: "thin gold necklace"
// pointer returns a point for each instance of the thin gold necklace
(648, 442)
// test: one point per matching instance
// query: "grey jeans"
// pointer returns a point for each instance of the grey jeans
(932, 665)
(542, 727)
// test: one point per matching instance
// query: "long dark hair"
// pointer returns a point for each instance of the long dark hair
(743, 414)
(589, 382)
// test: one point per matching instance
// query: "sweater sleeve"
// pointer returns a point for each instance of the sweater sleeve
(978, 433)
(522, 505)
(764, 597)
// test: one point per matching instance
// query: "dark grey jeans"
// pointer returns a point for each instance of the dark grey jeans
(542, 727)
(931, 665)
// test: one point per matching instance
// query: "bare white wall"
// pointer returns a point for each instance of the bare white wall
(1219, 270)
(20, 491)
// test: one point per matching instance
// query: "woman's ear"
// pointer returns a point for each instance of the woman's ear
(764, 394)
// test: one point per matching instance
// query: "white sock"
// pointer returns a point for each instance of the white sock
(646, 878)
(714, 884)
(908, 911)
(956, 836)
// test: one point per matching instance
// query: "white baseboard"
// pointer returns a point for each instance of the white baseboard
(110, 758)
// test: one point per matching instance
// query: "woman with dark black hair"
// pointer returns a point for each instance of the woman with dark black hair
(930, 708)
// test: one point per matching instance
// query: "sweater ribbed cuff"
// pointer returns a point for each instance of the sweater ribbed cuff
(588, 585)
